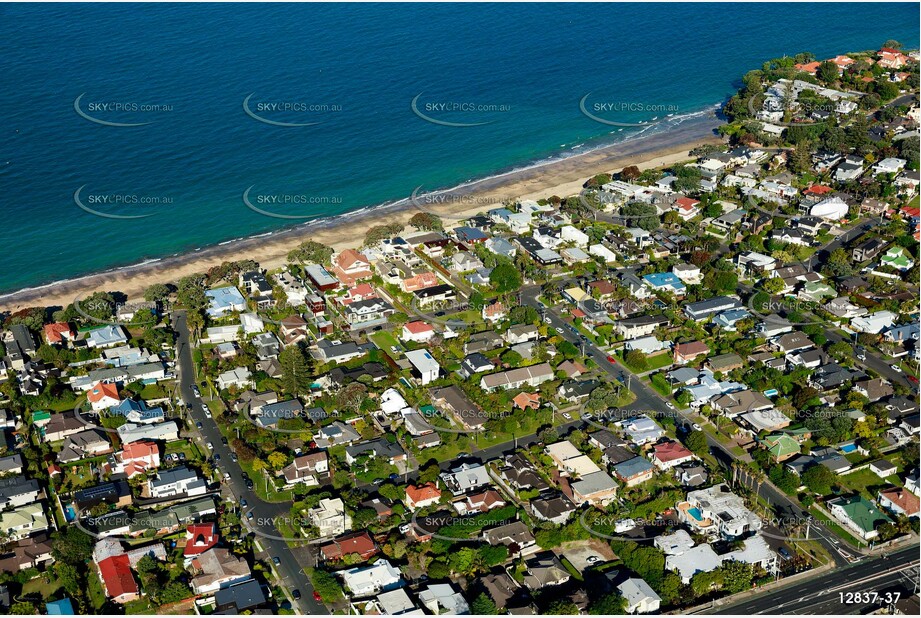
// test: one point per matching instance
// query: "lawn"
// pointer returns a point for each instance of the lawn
(835, 528)
(654, 362)
(385, 341)
(44, 585)
(866, 482)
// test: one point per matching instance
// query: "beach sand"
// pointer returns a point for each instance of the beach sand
(562, 178)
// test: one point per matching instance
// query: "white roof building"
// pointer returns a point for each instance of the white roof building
(366, 581)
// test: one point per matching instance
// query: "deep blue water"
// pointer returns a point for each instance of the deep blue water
(203, 151)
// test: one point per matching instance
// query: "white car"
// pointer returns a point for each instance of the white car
(567, 416)
(210, 446)
(697, 427)
(559, 330)
(670, 405)
(896, 368)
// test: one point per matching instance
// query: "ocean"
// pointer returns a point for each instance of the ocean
(315, 110)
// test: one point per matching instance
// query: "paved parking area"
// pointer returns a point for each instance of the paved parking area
(584, 554)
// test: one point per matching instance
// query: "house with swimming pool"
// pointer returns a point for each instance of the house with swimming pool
(717, 512)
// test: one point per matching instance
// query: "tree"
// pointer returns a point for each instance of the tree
(311, 252)
(482, 605)
(636, 359)
(696, 441)
(505, 277)
(827, 72)
(277, 460)
(631, 172)
(819, 479)
(326, 585)
(563, 607)
(296, 376)
(425, 221)
(156, 293)
(611, 604)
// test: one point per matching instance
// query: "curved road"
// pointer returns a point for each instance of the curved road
(289, 570)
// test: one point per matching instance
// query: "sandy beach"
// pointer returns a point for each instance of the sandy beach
(562, 178)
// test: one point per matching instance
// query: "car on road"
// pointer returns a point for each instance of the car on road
(249, 516)
(296, 594)
(227, 476)
(210, 446)
(217, 457)
(275, 560)
(243, 503)
(198, 425)
(547, 320)
(913, 379)
(670, 405)
(697, 427)
(612, 360)
(249, 483)
(896, 368)
(224, 441)
(233, 457)
(195, 390)
(317, 597)
(559, 330)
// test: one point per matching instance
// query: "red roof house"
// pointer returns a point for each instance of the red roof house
(359, 543)
(117, 579)
(420, 497)
(669, 454)
(103, 395)
(200, 538)
(58, 332)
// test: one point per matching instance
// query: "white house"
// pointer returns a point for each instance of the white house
(640, 598)
(424, 364)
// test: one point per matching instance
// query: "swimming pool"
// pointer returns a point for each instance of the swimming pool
(848, 448)
(695, 513)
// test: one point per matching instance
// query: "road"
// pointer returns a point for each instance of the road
(648, 401)
(289, 570)
(823, 594)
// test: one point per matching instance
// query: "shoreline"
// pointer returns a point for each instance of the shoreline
(562, 177)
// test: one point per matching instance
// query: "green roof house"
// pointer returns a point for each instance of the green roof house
(859, 515)
(40, 418)
(781, 446)
(897, 258)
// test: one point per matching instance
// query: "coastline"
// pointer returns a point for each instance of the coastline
(562, 177)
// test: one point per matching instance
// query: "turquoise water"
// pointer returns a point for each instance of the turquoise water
(695, 513)
(363, 65)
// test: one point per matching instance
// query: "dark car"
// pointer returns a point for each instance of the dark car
(249, 515)
(199, 425)
(296, 594)
(249, 483)
(217, 457)
(224, 441)
(276, 560)
(784, 553)
(243, 503)
(233, 457)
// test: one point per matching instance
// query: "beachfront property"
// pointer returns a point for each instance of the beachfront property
(366, 371)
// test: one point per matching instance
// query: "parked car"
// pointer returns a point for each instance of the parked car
(612, 360)
(210, 446)
(896, 368)
(275, 560)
